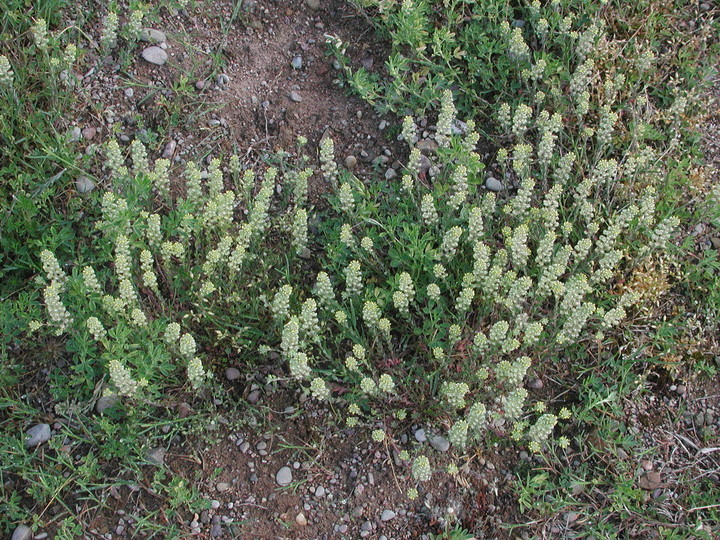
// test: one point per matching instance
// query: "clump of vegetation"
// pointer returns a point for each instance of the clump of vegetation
(430, 300)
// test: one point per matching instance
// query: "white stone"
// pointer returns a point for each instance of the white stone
(155, 55)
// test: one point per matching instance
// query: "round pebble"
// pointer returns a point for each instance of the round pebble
(155, 55)
(284, 476)
(37, 435)
(350, 162)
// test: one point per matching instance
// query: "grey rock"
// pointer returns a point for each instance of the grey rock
(75, 134)
(222, 80)
(222, 487)
(22, 532)
(89, 133)
(319, 491)
(301, 520)
(313, 4)
(169, 150)
(570, 517)
(200, 85)
(156, 456)
(493, 184)
(284, 476)
(440, 443)
(84, 185)
(37, 435)
(155, 55)
(216, 531)
(306, 254)
(420, 435)
(294, 96)
(427, 145)
(458, 127)
(350, 162)
(152, 36)
(129, 92)
(390, 174)
(297, 62)
(244, 447)
(232, 373)
(253, 397)
(387, 515)
(106, 402)
(535, 383)
(650, 481)
(366, 526)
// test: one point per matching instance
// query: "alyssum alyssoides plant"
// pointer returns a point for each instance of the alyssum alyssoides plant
(440, 296)
(167, 270)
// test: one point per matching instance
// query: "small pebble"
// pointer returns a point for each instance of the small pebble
(153, 36)
(89, 133)
(22, 532)
(297, 62)
(294, 96)
(439, 443)
(301, 520)
(232, 373)
(84, 185)
(155, 55)
(37, 435)
(350, 162)
(493, 184)
(387, 515)
(284, 476)
(222, 487)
